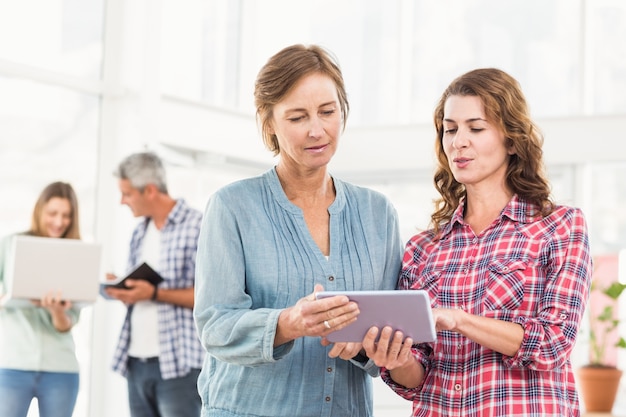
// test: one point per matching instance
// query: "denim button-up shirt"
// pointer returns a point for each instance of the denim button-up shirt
(255, 258)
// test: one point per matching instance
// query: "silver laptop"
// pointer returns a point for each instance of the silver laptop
(37, 265)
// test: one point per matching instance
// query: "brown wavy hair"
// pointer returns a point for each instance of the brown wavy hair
(60, 190)
(279, 75)
(505, 107)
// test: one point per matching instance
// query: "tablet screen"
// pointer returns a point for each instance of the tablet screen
(405, 310)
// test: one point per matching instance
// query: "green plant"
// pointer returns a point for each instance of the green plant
(603, 325)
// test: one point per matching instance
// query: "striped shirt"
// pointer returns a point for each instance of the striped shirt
(523, 269)
(180, 348)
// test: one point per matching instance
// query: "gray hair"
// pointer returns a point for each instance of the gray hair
(141, 169)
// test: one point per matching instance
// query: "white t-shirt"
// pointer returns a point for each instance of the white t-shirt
(144, 320)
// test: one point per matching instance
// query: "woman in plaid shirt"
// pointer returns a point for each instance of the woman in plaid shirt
(507, 269)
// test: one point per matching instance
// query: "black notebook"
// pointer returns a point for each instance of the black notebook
(143, 271)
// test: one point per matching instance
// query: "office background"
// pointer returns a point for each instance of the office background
(85, 82)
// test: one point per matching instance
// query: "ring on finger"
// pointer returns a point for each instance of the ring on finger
(327, 324)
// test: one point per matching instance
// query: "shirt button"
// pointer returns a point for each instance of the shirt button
(457, 387)
(329, 369)
(327, 399)
(505, 269)
(331, 278)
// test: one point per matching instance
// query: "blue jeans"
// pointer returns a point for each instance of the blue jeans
(149, 395)
(56, 392)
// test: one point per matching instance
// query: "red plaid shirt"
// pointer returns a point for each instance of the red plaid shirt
(523, 269)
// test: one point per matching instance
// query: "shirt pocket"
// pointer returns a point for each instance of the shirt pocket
(429, 282)
(505, 286)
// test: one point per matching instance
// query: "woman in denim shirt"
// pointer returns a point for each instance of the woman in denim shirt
(269, 243)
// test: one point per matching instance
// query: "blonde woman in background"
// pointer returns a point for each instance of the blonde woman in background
(37, 353)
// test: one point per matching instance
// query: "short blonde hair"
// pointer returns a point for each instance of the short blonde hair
(281, 72)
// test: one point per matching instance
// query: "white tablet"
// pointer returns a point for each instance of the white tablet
(405, 310)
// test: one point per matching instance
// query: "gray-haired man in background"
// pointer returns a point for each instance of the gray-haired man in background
(158, 350)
